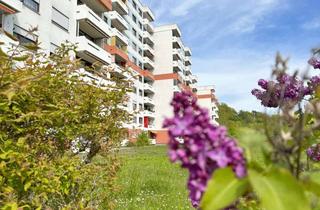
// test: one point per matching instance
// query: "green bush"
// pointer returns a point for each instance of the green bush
(45, 105)
(143, 139)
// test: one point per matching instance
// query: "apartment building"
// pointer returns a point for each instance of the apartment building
(207, 99)
(172, 72)
(117, 33)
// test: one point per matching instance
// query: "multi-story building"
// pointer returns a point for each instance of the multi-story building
(172, 72)
(111, 32)
(207, 99)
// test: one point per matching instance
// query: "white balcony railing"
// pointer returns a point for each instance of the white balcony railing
(178, 64)
(148, 48)
(14, 4)
(187, 60)
(148, 61)
(120, 36)
(148, 100)
(178, 41)
(85, 13)
(93, 50)
(188, 69)
(147, 113)
(147, 23)
(114, 15)
(187, 51)
(147, 35)
(122, 6)
(149, 87)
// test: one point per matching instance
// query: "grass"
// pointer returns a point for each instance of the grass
(149, 181)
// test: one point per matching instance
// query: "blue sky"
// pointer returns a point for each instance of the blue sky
(234, 41)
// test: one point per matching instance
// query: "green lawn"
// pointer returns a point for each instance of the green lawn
(149, 181)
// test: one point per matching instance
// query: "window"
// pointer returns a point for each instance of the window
(134, 4)
(134, 46)
(140, 107)
(140, 92)
(32, 4)
(140, 25)
(135, 106)
(134, 60)
(140, 12)
(140, 38)
(134, 32)
(59, 19)
(140, 120)
(140, 51)
(134, 18)
(140, 78)
(140, 64)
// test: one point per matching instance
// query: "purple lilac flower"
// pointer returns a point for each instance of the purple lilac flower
(313, 152)
(286, 90)
(315, 62)
(205, 148)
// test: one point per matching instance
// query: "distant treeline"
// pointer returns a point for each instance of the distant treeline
(233, 120)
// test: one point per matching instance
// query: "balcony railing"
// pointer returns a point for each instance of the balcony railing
(92, 50)
(15, 5)
(148, 100)
(85, 13)
(114, 15)
(123, 9)
(120, 36)
(147, 86)
(178, 64)
(31, 4)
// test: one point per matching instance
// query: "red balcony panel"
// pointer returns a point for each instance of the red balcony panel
(113, 50)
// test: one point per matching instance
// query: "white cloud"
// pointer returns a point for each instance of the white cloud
(184, 7)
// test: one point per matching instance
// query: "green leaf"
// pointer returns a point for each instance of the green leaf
(311, 182)
(223, 189)
(27, 186)
(278, 190)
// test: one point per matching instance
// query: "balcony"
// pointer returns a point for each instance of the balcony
(178, 66)
(187, 51)
(148, 88)
(100, 6)
(148, 113)
(10, 6)
(148, 63)
(120, 7)
(187, 61)
(148, 38)
(176, 41)
(194, 78)
(117, 21)
(148, 25)
(91, 52)
(176, 54)
(113, 50)
(148, 13)
(148, 100)
(8, 41)
(120, 36)
(148, 50)
(121, 72)
(188, 69)
(91, 23)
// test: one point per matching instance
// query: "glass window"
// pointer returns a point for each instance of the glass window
(31, 4)
(134, 18)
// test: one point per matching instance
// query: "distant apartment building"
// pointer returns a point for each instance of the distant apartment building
(207, 99)
(172, 72)
(117, 33)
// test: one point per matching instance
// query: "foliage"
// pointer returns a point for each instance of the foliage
(287, 177)
(143, 139)
(45, 104)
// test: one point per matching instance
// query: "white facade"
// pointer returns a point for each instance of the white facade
(172, 69)
(207, 99)
(111, 32)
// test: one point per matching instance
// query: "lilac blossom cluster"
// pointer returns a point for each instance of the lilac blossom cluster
(205, 147)
(313, 152)
(286, 90)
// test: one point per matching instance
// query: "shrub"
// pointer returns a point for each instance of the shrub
(143, 139)
(45, 104)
